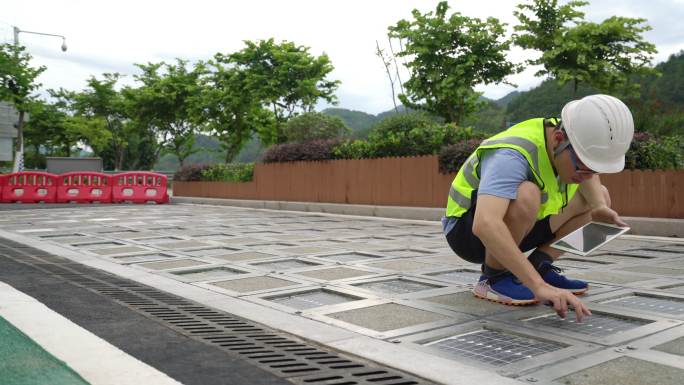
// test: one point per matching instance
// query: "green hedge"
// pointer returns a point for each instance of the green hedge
(219, 172)
(650, 153)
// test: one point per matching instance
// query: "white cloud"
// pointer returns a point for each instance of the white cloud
(106, 36)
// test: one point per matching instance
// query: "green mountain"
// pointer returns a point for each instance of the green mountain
(503, 102)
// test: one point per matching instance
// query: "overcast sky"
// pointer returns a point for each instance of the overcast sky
(109, 36)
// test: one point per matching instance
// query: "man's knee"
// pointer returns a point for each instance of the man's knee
(526, 205)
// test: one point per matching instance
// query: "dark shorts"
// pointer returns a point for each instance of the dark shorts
(469, 247)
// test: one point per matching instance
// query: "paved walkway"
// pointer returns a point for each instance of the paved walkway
(390, 291)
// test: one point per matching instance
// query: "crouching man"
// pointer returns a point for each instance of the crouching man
(530, 185)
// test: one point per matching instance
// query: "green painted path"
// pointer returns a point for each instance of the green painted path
(23, 362)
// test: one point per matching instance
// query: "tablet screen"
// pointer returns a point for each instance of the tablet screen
(587, 238)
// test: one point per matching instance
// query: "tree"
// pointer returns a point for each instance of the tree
(49, 131)
(285, 77)
(448, 57)
(18, 81)
(164, 104)
(546, 28)
(313, 126)
(100, 114)
(603, 55)
(230, 109)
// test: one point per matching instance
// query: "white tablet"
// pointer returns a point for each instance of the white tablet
(589, 238)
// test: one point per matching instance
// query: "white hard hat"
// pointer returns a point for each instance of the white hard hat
(600, 130)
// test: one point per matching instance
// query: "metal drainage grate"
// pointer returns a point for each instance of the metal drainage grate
(312, 299)
(654, 253)
(458, 276)
(142, 258)
(96, 245)
(598, 325)
(210, 252)
(580, 263)
(397, 286)
(285, 264)
(649, 303)
(494, 347)
(57, 236)
(271, 244)
(677, 289)
(373, 238)
(406, 253)
(679, 247)
(157, 239)
(348, 257)
(286, 356)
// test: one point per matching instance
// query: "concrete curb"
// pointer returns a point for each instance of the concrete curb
(663, 227)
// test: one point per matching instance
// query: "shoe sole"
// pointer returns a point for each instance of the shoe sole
(580, 292)
(509, 303)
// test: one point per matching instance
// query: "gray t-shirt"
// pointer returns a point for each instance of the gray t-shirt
(501, 173)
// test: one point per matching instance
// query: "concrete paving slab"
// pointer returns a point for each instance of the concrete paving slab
(402, 265)
(334, 273)
(165, 265)
(672, 347)
(253, 284)
(625, 371)
(243, 256)
(118, 250)
(387, 317)
(466, 302)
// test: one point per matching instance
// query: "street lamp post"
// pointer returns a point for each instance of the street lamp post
(19, 157)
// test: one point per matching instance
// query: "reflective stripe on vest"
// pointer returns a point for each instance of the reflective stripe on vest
(527, 145)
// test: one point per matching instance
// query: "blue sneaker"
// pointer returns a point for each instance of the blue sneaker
(551, 275)
(505, 289)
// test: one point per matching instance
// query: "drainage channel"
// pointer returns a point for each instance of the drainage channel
(283, 355)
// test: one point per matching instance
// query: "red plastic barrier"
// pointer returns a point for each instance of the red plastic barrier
(84, 187)
(30, 187)
(3, 182)
(139, 187)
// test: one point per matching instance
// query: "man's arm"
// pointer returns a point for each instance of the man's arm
(593, 193)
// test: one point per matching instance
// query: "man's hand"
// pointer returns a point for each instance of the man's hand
(607, 215)
(561, 300)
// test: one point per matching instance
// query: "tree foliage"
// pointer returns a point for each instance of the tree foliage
(603, 55)
(230, 110)
(18, 81)
(284, 77)
(313, 126)
(448, 56)
(165, 103)
(100, 116)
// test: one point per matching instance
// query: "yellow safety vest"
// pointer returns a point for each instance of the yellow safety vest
(528, 139)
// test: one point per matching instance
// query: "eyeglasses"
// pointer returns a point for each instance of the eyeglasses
(576, 163)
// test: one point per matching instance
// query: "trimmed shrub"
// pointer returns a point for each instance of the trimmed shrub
(404, 135)
(452, 157)
(314, 126)
(649, 153)
(232, 172)
(290, 152)
(413, 134)
(190, 173)
(353, 149)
